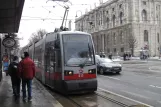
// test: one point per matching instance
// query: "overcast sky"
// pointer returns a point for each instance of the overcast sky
(40, 14)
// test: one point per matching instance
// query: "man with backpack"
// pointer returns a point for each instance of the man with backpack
(15, 78)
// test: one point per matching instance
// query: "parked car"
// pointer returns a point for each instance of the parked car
(97, 56)
(106, 65)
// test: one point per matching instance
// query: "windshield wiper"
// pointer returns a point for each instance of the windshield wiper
(90, 56)
(83, 64)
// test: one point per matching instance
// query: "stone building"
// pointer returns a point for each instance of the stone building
(119, 26)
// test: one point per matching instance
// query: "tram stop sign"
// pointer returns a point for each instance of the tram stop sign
(8, 42)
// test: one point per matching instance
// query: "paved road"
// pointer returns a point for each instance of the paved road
(141, 82)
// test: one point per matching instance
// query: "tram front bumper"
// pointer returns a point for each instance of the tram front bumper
(81, 85)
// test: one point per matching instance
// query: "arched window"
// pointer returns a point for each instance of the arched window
(108, 22)
(114, 39)
(144, 15)
(108, 39)
(145, 36)
(121, 37)
(121, 18)
(100, 18)
(114, 19)
(157, 17)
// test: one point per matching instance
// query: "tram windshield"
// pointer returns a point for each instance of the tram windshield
(78, 49)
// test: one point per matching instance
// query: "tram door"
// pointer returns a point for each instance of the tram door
(50, 66)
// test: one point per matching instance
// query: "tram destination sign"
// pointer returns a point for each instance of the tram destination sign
(76, 38)
(8, 42)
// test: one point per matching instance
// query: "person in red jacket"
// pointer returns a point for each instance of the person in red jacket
(27, 72)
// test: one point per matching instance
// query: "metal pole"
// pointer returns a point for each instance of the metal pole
(66, 18)
(66, 9)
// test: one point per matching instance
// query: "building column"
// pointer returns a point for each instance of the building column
(103, 45)
(97, 43)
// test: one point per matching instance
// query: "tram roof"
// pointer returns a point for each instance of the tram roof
(73, 32)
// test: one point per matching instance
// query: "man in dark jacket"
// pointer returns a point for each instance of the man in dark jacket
(15, 79)
(27, 71)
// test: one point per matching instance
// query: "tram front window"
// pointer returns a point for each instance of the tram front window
(78, 49)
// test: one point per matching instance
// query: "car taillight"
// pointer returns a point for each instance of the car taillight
(68, 73)
(92, 71)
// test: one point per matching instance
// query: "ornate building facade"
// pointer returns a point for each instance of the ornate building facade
(119, 26)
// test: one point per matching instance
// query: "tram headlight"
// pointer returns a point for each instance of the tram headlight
(92, 71)
(67, 73)
(70, 73)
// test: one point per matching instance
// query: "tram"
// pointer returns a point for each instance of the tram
(65, 61)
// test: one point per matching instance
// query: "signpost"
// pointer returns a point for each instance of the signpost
(8, 42)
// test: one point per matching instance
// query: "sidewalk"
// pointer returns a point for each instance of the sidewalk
(41, 97)
(136, 60)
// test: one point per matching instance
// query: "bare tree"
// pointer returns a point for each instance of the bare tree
(41, 32)
(132, 43)
(37, 36)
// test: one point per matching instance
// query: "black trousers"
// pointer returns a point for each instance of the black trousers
(16, 85)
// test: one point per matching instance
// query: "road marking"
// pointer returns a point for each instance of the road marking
(110, 77)
(113, 78)
(134, 94)
(159, 102)
(155, 86)
(124, 97)
(154, 68)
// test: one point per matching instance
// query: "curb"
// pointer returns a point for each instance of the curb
(47, 95)
(134, 62)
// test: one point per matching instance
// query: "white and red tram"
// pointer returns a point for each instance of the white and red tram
(65, 61)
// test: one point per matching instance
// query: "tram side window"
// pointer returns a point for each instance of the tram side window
(59, 58)
(40, 56)
(51, 58)
(58, 52)
(48, 53)
(36, 56)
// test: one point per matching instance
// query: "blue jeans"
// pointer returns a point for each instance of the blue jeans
(27, 82)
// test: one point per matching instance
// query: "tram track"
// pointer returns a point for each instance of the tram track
(112, 100)
(104, 97)
(66, 101)
(95, 99)
(78, 105)
(79, 100)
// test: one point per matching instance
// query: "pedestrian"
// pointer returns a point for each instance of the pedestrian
(5, 64)
(22, 57)
(124, 56)
(27, 70)
(15, 78)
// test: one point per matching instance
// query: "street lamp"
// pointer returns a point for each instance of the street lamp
(77, 12)
(81, 20)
